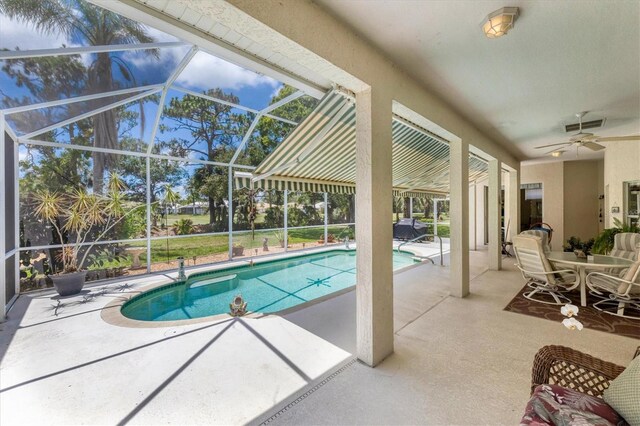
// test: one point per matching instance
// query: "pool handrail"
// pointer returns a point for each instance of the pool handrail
(421, 237)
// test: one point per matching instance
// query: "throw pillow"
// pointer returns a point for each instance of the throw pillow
(623, 394)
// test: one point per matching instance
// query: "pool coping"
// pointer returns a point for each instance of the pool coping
(111, 313)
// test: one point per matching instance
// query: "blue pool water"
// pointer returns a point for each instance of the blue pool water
(266, 287)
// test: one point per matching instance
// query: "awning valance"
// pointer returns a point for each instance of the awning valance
(243, 180)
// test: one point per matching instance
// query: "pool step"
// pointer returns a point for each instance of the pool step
(209, 281)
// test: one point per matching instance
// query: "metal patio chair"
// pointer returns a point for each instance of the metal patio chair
(618, 296)
(545, 281)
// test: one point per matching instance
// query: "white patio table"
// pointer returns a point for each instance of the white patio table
(597, 262)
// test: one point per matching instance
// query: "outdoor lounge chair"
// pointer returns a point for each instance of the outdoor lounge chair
(547, 283)
(625, 245)
(543, 235)
(618, 295)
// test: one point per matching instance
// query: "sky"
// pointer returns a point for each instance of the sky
(203, 72)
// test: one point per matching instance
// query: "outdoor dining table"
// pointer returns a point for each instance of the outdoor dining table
(597, 262)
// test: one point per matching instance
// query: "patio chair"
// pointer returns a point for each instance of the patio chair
(545, 281)
(618, 296)
(506, 245)
(624, 245)
(567, 387)
(543, 235)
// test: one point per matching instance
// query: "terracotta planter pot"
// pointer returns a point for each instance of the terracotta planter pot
(237, 251)
(69, 284)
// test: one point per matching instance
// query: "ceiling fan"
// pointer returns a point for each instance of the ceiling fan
(585, 139)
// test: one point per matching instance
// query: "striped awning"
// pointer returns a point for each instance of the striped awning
(321, 152)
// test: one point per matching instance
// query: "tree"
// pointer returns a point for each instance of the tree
(215, 131)
(407, 207)
(270, 132)
(88, 24)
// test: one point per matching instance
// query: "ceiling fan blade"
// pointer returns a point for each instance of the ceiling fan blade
(619, 138)
(553, 144)
(592, 146)
(581, 137)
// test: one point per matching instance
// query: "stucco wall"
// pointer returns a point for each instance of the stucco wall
(570, 196)
(581, 190)
(551, 176)
(621, 163)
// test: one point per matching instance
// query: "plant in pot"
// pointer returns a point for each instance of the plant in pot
(580, 248)
(75, 217)
(237, 250)
(604, 242)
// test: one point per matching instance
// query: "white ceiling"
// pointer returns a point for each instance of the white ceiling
(562, 57)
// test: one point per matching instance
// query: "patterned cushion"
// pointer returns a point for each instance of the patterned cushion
(555, 405)
(623, 394)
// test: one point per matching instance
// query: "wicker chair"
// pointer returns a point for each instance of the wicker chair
(573, 369)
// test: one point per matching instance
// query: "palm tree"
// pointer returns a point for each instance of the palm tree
(85, 23)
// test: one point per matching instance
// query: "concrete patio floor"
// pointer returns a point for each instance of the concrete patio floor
(457, 361)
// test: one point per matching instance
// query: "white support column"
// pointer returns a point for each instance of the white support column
(16, 211)
(435, 216)
(326, 218)
(495, 226)
(286, 220)
(473, 219)
(459, 210)
(148, 175)
(3, 262)
(513, 204)
(374, 288)
(229, 212)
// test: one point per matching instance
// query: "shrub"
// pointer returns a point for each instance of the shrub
(183, 227)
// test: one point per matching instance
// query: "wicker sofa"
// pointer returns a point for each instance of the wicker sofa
(564, 382)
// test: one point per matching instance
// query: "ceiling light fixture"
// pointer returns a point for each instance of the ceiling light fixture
(557, 153)
(498, 23)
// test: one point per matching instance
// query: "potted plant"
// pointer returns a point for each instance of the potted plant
(237, 250)
(604, 242)
(580, 248)
(74, 217)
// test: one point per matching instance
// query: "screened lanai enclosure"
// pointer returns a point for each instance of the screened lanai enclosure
(125, 149)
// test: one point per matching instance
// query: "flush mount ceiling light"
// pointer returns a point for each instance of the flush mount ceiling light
(498, 23)
(557, 153)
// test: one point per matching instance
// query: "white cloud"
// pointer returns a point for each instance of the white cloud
(19, 34)
(207, 71)
(159, 36)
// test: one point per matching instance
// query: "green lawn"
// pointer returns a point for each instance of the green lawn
(202, 245)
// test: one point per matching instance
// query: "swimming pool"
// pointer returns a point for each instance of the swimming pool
(267, 287)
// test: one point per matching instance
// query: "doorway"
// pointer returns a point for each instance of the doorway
(531, 200)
